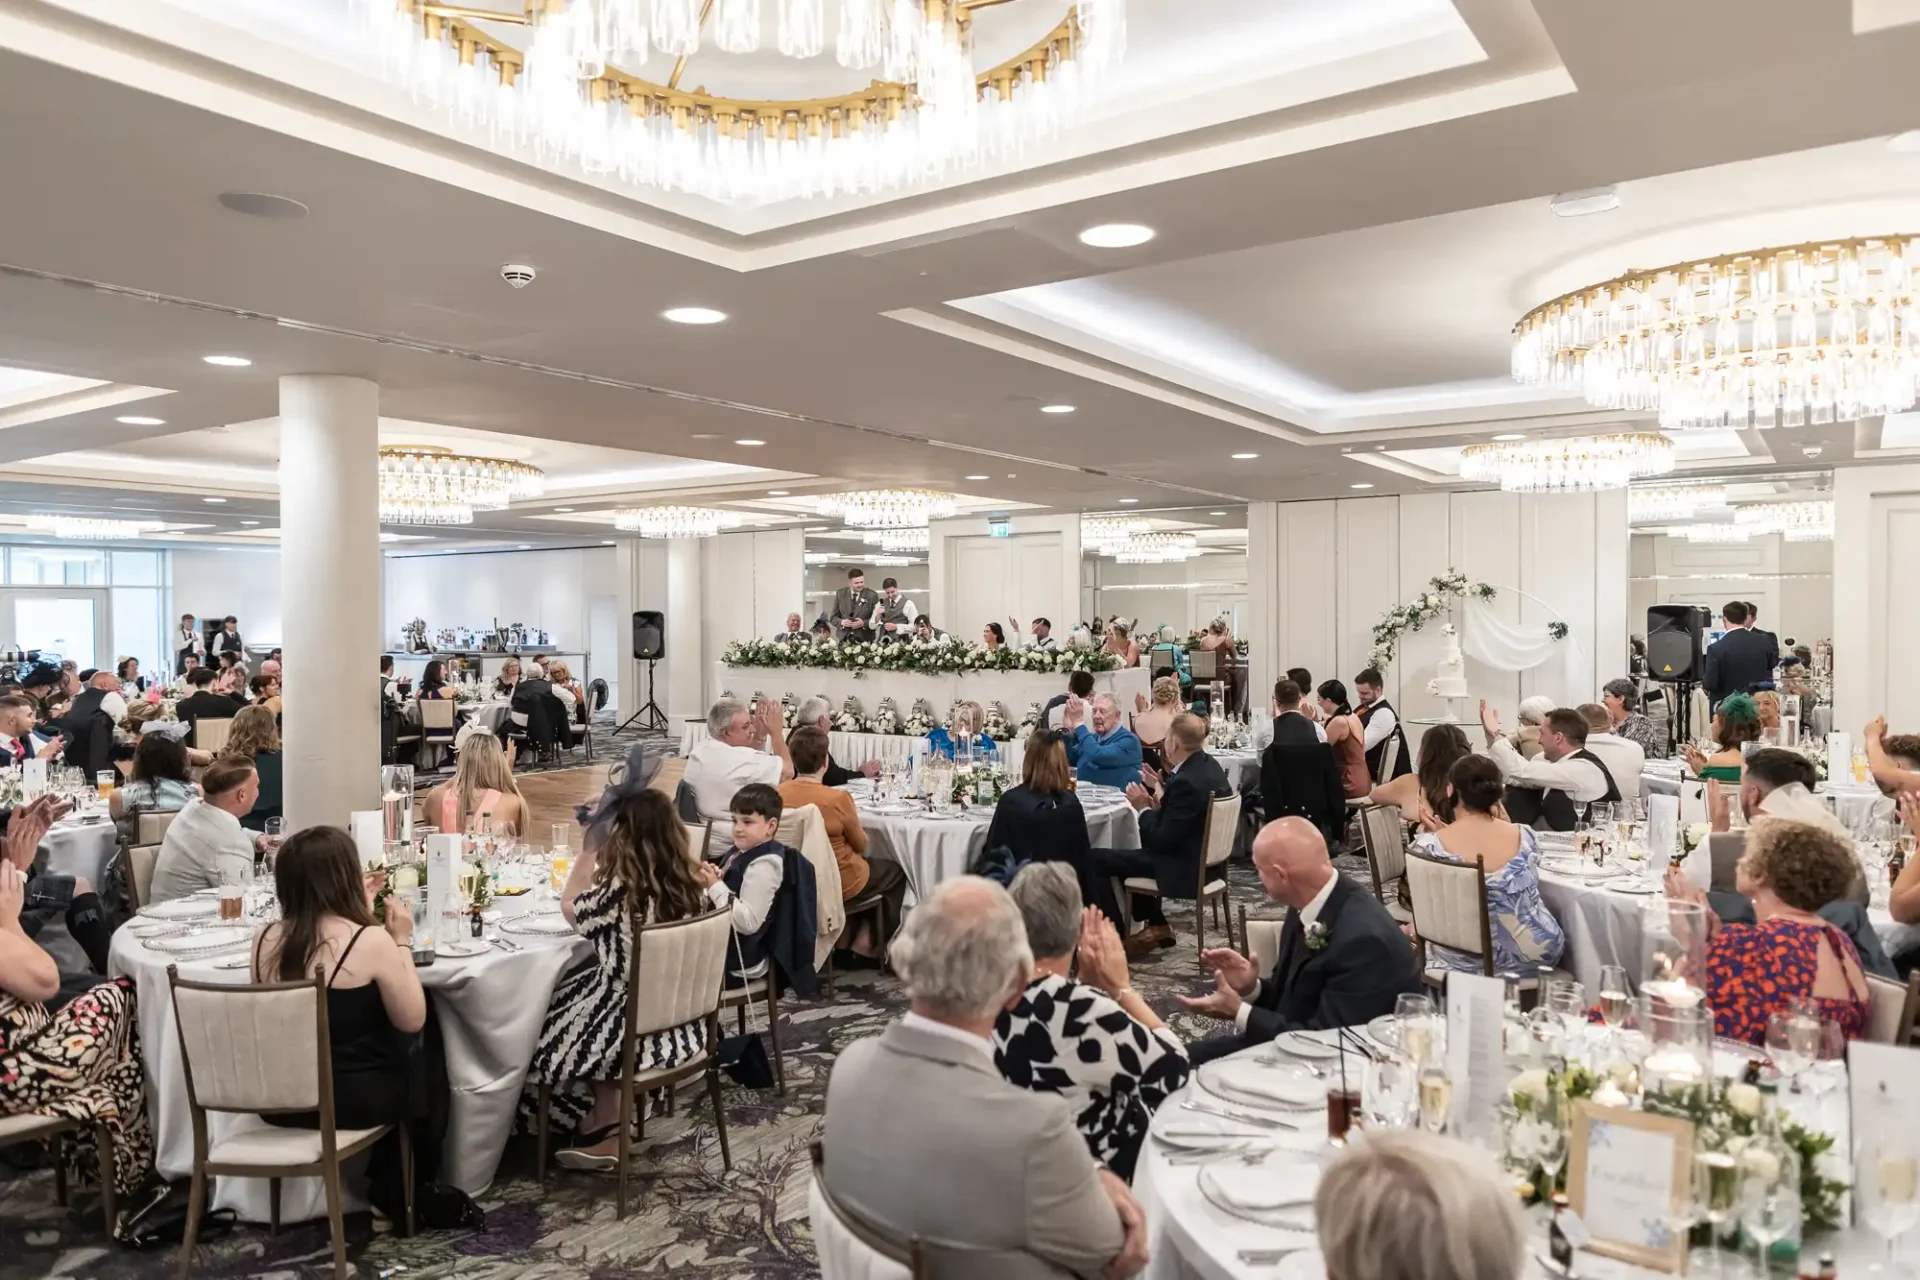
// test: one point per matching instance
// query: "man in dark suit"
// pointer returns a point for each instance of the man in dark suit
(1741, 660)
(853, 607)
(1343, 961)
(1173, 823)
(203, 703)
(1773, 641)
(1299, 777)
(1079, 685)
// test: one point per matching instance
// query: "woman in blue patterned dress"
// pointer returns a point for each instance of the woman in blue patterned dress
(636, 865)
(1525, 934)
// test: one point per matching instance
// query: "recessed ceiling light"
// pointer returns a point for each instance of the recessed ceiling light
(525, 546)
(1216, 513)
(1578, 204)
(258, 204)
(228, 362)
(1116, 235)
(694, 315)
(703, 435)
(213, 499)
(135, 420)
(249, 522)
(776, 493)
(750, 444)
(976, 477)
(606, 542)
(1056, 408)
(1009, 475)
(817, 528)
(1244, 457)
(1129, 500)
(1908, 141)
(563, 508)
(1512, 435)
(1362, 485)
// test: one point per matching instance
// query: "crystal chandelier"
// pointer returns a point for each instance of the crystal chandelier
(426, 484)
(86, 529)
(923, 112)
(674, 522)
(1101, 534)
(1673, 502)
(1815, 333)
(1579, 465)
(898, 539)
(889, 508)
(1795, 521)
(1156, 548)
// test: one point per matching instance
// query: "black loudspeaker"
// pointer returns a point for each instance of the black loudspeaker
(1674, 632)
(649, 635)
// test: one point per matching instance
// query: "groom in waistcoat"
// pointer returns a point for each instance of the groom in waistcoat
(853, 607)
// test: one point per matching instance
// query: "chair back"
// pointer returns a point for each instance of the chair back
(1724, 849)
(211, 735)
(1384, 835)
(806, 830)
(151, 828)
(676, 972)
(667, 777)
(1223, 823)
(1263, 942)
(597, 695)
(1449, 902)
(685, 801)
(141, 859)
(436, 713)
(1201, 664)
(254, 1048)
(1891, 1007)
(848, 1247)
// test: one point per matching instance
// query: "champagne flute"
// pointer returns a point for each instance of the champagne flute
(1716, 1192)
(1886, 1187)
(1616, 998)
(1769, 1202)
(1436, 1097)
(1790, 1045)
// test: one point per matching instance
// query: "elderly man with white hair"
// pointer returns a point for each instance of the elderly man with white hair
(924, 1138)
(740, 747)
(1107, 754)
(818, 711)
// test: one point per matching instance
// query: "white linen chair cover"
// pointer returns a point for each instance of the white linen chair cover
(804, 829)
(251, 1050)
(682, 965)
(841, 1254)
(1886, 1002)
(1263, 944)
(1449, 903)
(152, 827)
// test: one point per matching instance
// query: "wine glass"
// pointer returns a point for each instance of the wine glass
(1616, 997)
(1886, 1186)
(1387, 1091)
(1414, 1018)
(1436, 1097)
(1716, 1194)
(1792, 1040)
(1566, 998)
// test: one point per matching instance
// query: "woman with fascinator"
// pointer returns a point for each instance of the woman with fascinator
(1041, 819)
(635, 862)
(1735, 721)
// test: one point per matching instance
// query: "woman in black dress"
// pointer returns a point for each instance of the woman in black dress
(1041, 819)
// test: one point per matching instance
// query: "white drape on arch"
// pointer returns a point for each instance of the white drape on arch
(1510, 646)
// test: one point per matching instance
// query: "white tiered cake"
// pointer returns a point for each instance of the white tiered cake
(1450, 680)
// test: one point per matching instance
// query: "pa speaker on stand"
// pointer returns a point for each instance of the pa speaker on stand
(1676, 656)
(649, 646)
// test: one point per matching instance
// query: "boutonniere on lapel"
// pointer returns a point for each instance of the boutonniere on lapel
(1316, 936)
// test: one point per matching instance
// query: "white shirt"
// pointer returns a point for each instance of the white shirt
(1022, 639)
(716, 771)
(1309, 914)
(979, 1044)
(188, 642)
(226, 642)
(1263, 730)
(757, 890)
(202, 842)
(906, 607)
(1379, 725)
(114, 705)
(1623, 757)
(1579, 779)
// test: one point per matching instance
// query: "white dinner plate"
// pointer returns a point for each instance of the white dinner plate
(463, 948)
(1309, 1044)
(1263, 1188)
(1644, 888)
(1575, 869)
(549, 926)
(183, 908)
(213, 938)
(1385, 1030)
(1265, 1083)
(1197, 1131)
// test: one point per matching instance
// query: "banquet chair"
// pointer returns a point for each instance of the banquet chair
(263, 1049)
(1262, 943)
(596, 700)
(152, 827)
(686, 802)
(1383, 835)
(1450, 909)
(396, 731)
(1216, 846)
(1892, 1008)
(53, 1130)
(691, 958)
(436, 722)
(141, 859)
(211, 735)
(852, 1248)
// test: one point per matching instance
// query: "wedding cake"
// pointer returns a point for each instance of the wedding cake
(1450, 681)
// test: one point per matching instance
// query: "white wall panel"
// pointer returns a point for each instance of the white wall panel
(244, 582)
(1486, 547)
(1308, 589)
(1368, 562)
(975, 579)
(1426, 552)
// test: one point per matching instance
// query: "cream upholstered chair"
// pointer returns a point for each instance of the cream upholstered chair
(1450, 905)
(1216, 845)
(436, 723)
(1262, 939)
(1892, 1007)
(151, 828)
(263, 1049)
(1383, 833)
(211, 735)
(53, 1130)
(141, 859)
(852, 1248)
(673, 978)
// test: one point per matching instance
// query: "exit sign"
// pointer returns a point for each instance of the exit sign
(999, 528)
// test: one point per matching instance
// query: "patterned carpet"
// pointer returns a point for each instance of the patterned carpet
(689, 1217)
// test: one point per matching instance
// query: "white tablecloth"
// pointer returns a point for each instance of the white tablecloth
(490, 1008)
(933, 849)
(75, 849)
(1013, 690)
(1854, 803)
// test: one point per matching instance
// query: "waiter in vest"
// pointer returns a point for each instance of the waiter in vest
(893, 616)
(1552, 791)
(1386, 742)
(853, 607)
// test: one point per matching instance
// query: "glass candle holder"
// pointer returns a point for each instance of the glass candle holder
(1674, 949)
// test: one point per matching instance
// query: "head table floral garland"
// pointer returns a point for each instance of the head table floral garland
(945, 655)
(1425, 607)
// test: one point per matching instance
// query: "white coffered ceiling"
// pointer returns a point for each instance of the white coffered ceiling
(1350, 204)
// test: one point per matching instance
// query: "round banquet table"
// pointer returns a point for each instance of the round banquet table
(1856, 804)
(75, 847)
(933, 848)
(1191, 1238)
(490, 1008)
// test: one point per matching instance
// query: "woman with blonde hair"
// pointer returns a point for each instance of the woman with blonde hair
(1407, 1205)
(482, 786)
(968, 717)
(567, 689)
(255, 736)
(1151, 720)
(1533, 718)
(1217, 636)
(1119, 643)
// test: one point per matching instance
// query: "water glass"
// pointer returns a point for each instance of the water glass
(1793, 1042)
(1388, 1092)
(562, 837)
(1886, 1183)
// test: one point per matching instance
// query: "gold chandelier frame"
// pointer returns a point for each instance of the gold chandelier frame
(832, 117)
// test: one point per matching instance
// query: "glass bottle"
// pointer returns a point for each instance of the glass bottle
(1770, 1183)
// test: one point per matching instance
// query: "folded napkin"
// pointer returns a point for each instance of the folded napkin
(1263, 1187)
(1263, 1080)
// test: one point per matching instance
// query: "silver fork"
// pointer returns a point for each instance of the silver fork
(1243, 1117)
(1221, 1157)
(1271, 1257)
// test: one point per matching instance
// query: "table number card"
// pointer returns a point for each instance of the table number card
(33, 777)
(368, 836)
(443, 868)
(1476, 1008)
(1627, 1174)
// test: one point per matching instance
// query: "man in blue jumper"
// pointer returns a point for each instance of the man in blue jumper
(1107, 754)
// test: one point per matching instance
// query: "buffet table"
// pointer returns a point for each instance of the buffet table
(1013, 690)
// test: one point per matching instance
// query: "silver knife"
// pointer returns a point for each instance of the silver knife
(1244, 1117)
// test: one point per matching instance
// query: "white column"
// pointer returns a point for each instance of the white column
(1264, 553)
(330, 595)
(686, 694)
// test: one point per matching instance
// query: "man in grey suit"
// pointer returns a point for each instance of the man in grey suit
(853, 607)
(924, 1137)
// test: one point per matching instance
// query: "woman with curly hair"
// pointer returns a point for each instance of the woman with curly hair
(1735, 721)
(1789, 871)
(256, 736)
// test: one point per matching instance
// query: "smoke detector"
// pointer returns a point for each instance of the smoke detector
(517, 274)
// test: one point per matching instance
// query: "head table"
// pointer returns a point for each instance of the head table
(1013, 690)
(490, 1009)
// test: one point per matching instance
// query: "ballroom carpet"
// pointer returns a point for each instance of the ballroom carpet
(689, 1217)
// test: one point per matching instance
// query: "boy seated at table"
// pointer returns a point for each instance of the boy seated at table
(770, 888)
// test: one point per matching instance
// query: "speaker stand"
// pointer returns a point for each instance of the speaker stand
(650, 717)
(1680, 717)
